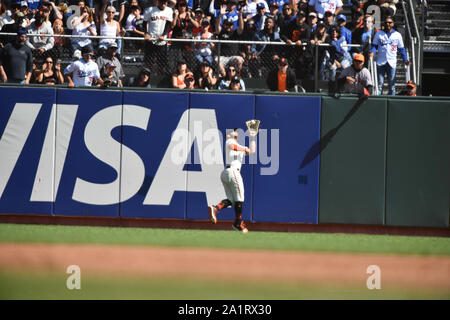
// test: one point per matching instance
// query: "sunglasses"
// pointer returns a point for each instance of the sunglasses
(389, 22)
(49, 62)
(110, 12)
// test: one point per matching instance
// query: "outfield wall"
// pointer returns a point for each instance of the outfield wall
(149, 154)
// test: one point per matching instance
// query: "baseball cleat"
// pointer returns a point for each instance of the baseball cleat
(239, 227)
(212, 214)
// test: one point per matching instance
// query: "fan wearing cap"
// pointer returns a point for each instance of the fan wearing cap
(16, 60)
(312, 21)
(260, 17)
(322, 6)
(38, 42)
(282, 78)
(205, 77)
(109, 78)
(110, 56)
(84, 71)
(297, 32)
(229, 52)
(356, 78)
(411, 90)
(251, 8)
(143, 79)
(347, 34)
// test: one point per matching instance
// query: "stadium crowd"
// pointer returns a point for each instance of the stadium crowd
(32, 57)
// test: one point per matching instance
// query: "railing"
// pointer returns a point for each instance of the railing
(133, 58)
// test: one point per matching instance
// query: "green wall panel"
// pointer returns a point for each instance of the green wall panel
(352, 165)
(418, 163)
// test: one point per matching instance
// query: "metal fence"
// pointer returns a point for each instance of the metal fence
(252, 59)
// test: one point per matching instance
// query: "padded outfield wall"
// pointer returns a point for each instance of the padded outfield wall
(155, 154)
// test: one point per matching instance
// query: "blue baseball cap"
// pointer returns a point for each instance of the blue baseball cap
(21, 32)
(260, 6)
(342, 17)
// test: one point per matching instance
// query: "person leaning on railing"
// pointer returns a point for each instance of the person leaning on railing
(356, 78)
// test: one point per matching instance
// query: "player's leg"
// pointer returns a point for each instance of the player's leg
(228, 202)
(238, 196)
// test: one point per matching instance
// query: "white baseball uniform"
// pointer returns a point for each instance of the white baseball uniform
(231, 176)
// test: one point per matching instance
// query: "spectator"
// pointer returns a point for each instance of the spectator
(388, 8)
(274, 13)
(38, 42)
(229, 13)
(109, 28)
(288, 15)
(110, 56)
(205, 78)
(281, 79)
(85, 71)
(109, 76)
(19, 22)
(224, 83)
(16, 60)
(135, 27)
(364, 36)
(347, 34)
(359, 6)
(235, 84)
(356, 78)
(229, 51)
(199, 17)
(260, 17)
(27, 13)
(297, 33)
(125, 12)
(339, 56)
(328, 20)
(247, 50)
(203, 50)
(179, 76)
(189, 81)
(251, 9)
(50, 11)
(411, 90)
(182, 28)
(143, 79)
(201, 4)
(5, 18)
(357, 21)
(50, 73)
(159, 19)
(59, 42)
(386, 43)
(312, 21)
(323, 57)
(322, 6)
(83, 26)
(267, 54)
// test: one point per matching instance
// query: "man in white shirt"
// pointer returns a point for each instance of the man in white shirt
(232, 180)
(84, 71)
(387, 43)
(322, 6)
(159, 19)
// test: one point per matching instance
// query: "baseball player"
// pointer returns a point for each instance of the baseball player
(232, 179)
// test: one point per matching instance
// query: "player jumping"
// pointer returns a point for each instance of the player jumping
(232, 179)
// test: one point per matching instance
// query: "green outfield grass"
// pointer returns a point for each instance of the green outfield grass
(19, 285)
(353, 243)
